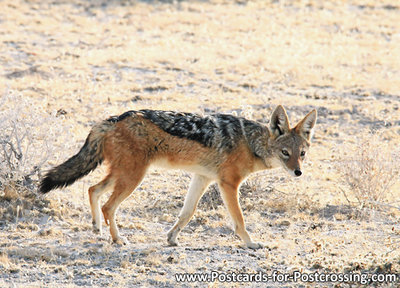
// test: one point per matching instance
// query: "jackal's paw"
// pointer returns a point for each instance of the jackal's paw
(171, 239)
(173, 243)
(121, 241)
(253, 245)
(96, 229)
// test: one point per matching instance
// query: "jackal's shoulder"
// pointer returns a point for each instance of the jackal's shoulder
(220, 131)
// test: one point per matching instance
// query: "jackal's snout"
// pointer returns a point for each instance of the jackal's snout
(297, 172)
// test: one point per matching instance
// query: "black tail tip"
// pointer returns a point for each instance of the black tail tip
(46, 185)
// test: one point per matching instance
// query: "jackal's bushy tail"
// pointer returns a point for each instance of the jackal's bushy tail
(79, 165)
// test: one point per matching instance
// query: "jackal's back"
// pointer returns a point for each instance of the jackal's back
(219, 131)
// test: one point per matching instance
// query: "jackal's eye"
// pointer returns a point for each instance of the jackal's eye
(285, 152)
(303, 153)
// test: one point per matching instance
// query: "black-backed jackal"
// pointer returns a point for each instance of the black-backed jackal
(220, 147)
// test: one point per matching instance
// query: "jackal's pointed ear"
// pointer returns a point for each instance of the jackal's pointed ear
(305, 127)
(279, 121)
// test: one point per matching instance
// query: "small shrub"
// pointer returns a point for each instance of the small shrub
(25, 131)
(370, 169)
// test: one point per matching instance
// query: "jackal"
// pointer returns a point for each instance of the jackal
(216, 148)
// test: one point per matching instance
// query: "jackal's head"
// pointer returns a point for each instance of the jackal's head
(290, 145)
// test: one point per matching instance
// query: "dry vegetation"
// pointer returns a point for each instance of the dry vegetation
(66, 64)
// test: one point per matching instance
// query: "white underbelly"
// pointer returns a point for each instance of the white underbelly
(197, 169)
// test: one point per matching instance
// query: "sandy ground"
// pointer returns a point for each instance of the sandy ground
(79, 62)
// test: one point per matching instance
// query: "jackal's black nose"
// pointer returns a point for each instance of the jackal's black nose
(297, 172)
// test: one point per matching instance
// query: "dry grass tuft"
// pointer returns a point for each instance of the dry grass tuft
(4, 260)
(25, 131)
(370, 169)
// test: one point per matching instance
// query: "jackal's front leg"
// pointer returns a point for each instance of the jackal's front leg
(229, 192)
(196, 189)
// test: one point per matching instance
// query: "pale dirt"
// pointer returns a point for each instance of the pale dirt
(92, 59)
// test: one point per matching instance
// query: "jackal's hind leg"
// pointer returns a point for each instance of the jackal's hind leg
(124, 186)
(95, 192)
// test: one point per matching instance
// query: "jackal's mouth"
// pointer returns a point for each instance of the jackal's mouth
(295, 173)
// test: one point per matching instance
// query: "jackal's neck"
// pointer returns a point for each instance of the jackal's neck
(257, 137)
